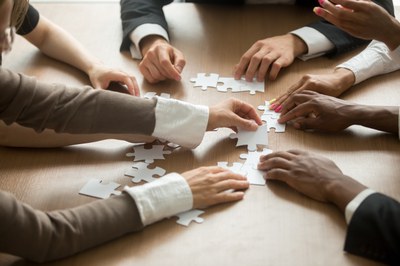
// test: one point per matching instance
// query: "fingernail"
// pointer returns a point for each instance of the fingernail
(278, 109)
(317, 10)
(272, 106)
(321, 2)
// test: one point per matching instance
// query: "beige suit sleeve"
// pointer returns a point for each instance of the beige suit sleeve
(43, 236)
(83, 110)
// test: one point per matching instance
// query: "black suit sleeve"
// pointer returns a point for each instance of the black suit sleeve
(343, 41)
(137, 12)
(374, 230)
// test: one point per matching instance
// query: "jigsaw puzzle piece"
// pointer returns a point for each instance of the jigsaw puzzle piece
(252, 158)
(252, 87)
(236, 167)
(152, 94)
(185, 218)
(252, 138)
(229, 83)
(255, 176)
(99, 189)
(204, 80)
(272, 122)
(267, 111)
(141, 172)
(156, 152)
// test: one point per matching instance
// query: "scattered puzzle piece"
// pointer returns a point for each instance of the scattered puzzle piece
(141, 172)
(267, 111)
(204, 80)
(239, 85)
(152, 94)
(236, 167)
(252, 138)
(254, 176)
(148, 155)
(272, 122)
(185, 218)
(99, 189)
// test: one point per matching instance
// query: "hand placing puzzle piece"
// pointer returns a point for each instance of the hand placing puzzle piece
(252, 138)
(99, 189)
(140, 172)
(148, 155)
(185, 218)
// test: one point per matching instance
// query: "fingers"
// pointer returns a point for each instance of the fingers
(241, 67)
(161, 63)
(247, 115)
(131, 84)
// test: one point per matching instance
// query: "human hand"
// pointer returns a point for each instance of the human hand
(333, 84)
(311, 110)
(361, 18)
(269, 55)
(314, 176)
(101, 77)
(235, 114)
(209, 186)
(161, 60)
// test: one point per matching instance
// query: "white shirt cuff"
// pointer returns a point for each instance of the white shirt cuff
(142, 31)
(374, 60)
(354, 203)
(180, 122)
(316, 42)
(165, 197)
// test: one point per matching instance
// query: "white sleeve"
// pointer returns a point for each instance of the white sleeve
(142, 31)
(376, 59)
(354, 203)
(180, 122)
(317, 43)
(165, 197)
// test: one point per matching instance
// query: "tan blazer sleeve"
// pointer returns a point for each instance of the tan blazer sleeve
(65, 109)
(42, 236)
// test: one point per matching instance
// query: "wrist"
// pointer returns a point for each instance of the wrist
(300, 47)
(342, 190)
(344, 79)
(392, 40)
(149, 41)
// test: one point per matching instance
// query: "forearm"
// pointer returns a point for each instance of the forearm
(15, 135)
(392, 39)
(43, 236)
(376, 117)
(57, 43)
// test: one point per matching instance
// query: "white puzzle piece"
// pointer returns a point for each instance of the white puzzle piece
(252, 138)
(185, 218)
(254, 176)
(267, 111)
(99, 189)
(152, 94)
(240, 85)
(236, 167)
(204, 80)
(140, 172)
(156, 152)
(272, 122)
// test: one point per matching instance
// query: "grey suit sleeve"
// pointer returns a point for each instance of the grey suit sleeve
(44, 236)
(374, 230)
(343, 41)
(138, 12)
(82, 110)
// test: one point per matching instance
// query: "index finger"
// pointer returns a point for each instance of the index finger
(248, 111)
(168, 67)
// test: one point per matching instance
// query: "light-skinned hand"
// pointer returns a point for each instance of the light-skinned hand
(161, 61)
(314, 176)
(269, 56)
(333, 84)
(361, 18)
(101, 76)
(209, 186)
(233, 113)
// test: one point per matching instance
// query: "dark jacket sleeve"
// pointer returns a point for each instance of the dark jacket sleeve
(43, 236)
(83, 110)
(374, 230)
(30, 21)
(343, 41)
(137, 12)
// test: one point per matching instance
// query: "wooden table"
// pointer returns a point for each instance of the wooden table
(274, 225)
